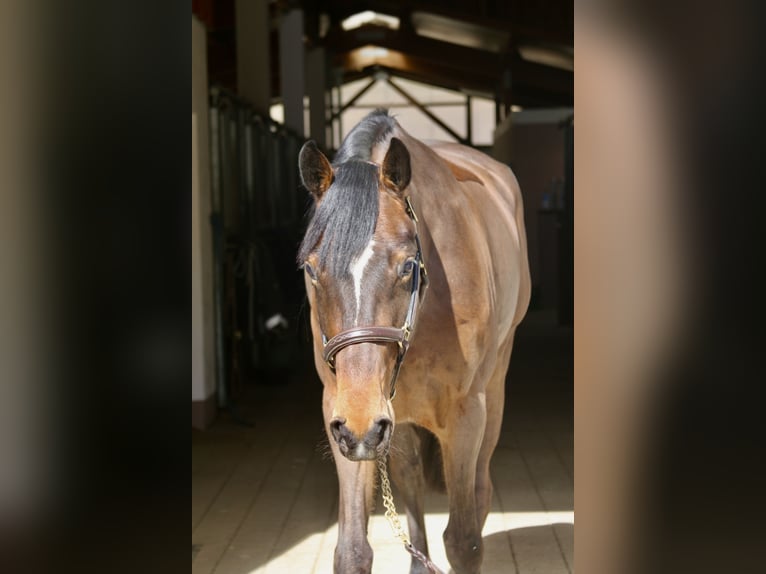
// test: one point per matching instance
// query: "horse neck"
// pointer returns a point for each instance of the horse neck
(429, 190)
(426, 166)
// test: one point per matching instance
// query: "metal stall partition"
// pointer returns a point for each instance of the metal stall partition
(257, 217)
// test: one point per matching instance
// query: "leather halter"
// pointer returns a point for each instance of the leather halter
(399, 335)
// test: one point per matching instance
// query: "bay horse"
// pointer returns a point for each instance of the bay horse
(415, 249)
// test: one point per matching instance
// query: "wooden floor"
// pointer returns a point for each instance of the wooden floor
(264, 497)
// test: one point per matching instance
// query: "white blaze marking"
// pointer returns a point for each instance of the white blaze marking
(357, 272)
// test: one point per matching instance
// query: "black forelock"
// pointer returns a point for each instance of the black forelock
(344, 220)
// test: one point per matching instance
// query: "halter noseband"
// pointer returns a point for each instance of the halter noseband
(399, 335)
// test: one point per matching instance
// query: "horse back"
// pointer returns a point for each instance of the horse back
(491, 192)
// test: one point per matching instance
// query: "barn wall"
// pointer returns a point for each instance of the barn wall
(532, 143)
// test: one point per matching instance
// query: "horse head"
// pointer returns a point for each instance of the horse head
(364, 276)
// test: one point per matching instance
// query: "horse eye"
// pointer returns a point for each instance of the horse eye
(310, 270)
(407, 268)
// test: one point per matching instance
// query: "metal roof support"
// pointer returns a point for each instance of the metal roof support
(468, 121)
(428, 113)
(351, 102)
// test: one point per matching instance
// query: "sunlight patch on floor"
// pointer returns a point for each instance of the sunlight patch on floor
(315, 553)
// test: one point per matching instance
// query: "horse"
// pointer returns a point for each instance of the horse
(419, 249)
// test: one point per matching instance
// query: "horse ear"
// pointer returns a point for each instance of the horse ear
(316, 171)
(396, 166)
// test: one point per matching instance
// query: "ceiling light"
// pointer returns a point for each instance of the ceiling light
(373, 52)
(369, 17)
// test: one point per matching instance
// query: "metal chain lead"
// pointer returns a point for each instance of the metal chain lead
(388, 502)
(393, 518)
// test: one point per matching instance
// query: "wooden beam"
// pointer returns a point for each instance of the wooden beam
(446, 64)
(522, 20)
(448, 55)
(418, 69)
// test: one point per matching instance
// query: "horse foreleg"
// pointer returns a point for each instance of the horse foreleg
(406, 466)
(353, 553)
(460, 447)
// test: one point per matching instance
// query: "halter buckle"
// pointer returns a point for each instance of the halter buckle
(329, 360)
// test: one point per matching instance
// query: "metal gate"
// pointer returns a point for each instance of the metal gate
(258, 207)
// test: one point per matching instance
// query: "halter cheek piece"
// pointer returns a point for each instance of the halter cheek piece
(399, 335)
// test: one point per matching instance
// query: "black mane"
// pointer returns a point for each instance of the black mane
(345, 218)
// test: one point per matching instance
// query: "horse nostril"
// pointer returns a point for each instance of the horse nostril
(382, 428)
(338, 428)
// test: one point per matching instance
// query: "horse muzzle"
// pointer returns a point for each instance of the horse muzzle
(374, 442)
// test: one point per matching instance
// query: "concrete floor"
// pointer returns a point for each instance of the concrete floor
(264, 497)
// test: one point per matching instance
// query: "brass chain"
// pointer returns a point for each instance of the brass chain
(393, 518)
(388, 502)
